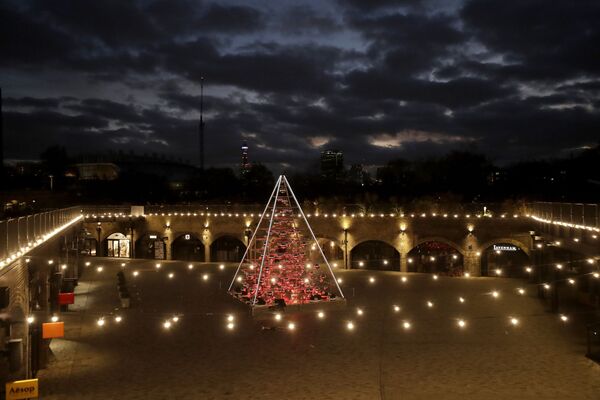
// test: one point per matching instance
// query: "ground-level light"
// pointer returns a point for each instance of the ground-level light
(396, 308)
(406, 325)
(461, 323)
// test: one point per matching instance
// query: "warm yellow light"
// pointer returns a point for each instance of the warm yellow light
(277, 317)
(87, 263)
(339, 280)
(546, 286)
(171, 275)
(571, 281)
(273, 281)
(158, 265)
(514, 321)
(410, 260)
(361, 264)
(167, 324)
(100, 322)
(321, 314)
(564, 318)
(63, 267)
(404, 279)
(190, 266)
(559, 266)
(175, 318)
(135, 273)
(350, 325)
(430, 304)
(396, 308)
(435, 277)
(521, 291)
(291, 326)
(495, 294)
(528, 270)
(385, 262)
(230, 326)
(99, 269)
(54, 318)
(461, 299)
(118, 319)
(359, 311)
(498, 271)
(406, 325)
(205, 277)
(371, 279)
(30, 319)
(239, 279)
(467, 275)
(461, 323)
(230, 318)
(123, 264)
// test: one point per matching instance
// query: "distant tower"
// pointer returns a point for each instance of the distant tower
(201, 125)
(245, 166)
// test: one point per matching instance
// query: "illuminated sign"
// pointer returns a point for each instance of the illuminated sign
(505, 247)
(26, 389)
(152, 236)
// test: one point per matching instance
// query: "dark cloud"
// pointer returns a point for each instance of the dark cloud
(377, 79)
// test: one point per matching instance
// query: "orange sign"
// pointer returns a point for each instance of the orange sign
(51, 330)
(27, 389)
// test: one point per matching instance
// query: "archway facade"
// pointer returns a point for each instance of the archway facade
(374, 254)
(187, 247)
(227, 249)
(436, 256)
(504, 257)
(151, 246)
(333, 252)
(118, 245)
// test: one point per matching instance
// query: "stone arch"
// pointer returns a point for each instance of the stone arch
(374, 254)
(333, 253)
(436, 255)
(188, 247)
(227, 248)
(151, 245)
(507, 263)
(440, 239)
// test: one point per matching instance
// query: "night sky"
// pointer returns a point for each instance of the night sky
(377, 79)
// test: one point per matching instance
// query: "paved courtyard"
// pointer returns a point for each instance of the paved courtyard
(200, 358)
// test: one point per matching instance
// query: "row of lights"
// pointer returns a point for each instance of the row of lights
(316, 215)
(31, 245)
(567, 224)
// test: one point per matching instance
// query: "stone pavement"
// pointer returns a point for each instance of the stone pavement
(199, 358)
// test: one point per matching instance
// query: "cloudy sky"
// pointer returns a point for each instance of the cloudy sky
(377, 79)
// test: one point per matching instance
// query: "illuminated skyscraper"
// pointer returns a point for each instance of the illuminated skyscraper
(245, 165)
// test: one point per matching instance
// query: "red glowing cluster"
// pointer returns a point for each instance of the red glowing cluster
(286, 272)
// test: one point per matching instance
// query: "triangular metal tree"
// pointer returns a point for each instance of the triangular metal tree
(276, 264)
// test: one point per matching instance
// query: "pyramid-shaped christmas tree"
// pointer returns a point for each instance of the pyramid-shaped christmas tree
(276, 267)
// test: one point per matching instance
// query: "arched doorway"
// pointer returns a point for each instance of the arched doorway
(151, 246)
(375, 254)
(227, 249)
(118, 245)
(436, 257)
(331, 249)
(187, 247)
(504, 259)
